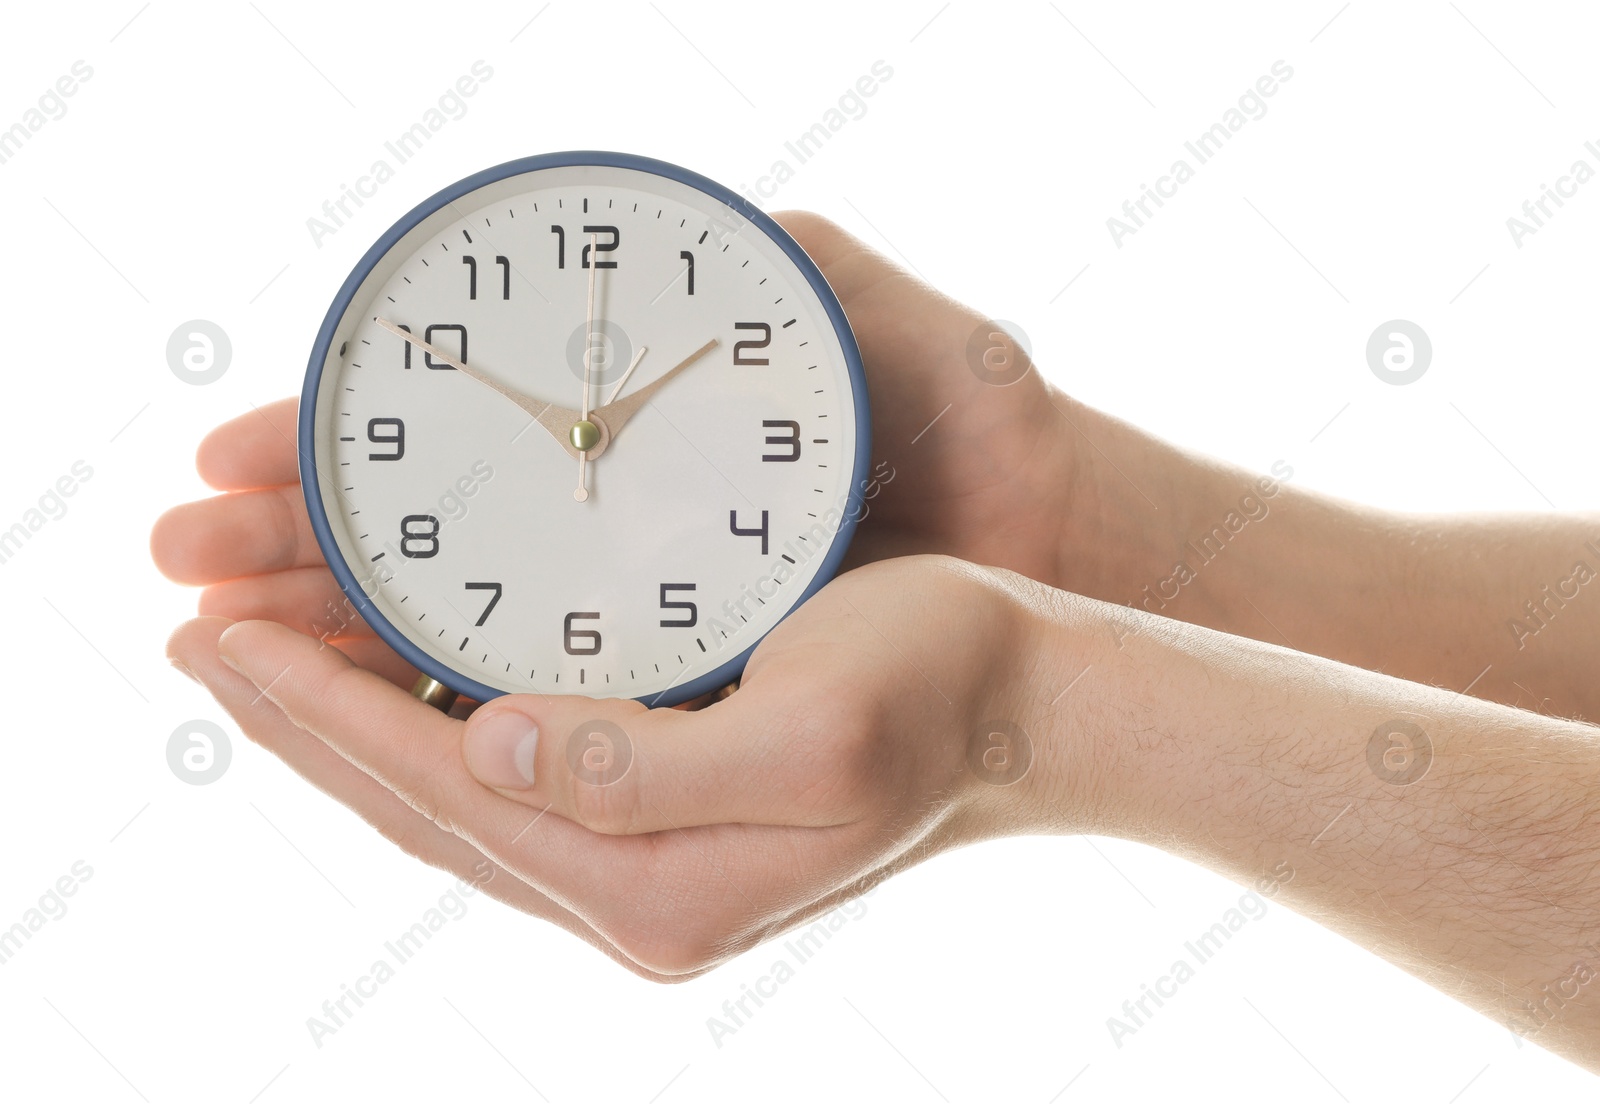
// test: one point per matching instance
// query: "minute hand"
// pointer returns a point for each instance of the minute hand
(557, 420)
(617, 413)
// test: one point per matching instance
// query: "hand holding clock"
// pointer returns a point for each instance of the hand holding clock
(860, 741)
(922, 703)
(772, 805)
(841, 675)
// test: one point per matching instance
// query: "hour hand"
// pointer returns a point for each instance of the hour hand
(559, 421)
(616, 413)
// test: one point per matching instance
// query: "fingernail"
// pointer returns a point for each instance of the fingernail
(499, 750)
(185, 669)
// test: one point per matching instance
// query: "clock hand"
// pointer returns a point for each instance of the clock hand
(584, 433)
(624, 380)
(561, 422)
(557, 420)
(588, 327)
(615, 415)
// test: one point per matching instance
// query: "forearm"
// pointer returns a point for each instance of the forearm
(1508, 605)
(1464, 848)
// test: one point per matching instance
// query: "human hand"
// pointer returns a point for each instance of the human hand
(979, 464)
(1022, 476)
(252, 548)
(845, 756)
(856, 748)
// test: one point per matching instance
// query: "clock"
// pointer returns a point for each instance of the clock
(583, 423)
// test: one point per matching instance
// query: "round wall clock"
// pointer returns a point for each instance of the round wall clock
(583, 423)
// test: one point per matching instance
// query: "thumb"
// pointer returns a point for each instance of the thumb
(616, 767)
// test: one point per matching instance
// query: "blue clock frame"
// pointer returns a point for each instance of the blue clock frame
(310, 485)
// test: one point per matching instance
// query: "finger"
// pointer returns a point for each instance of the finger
(193, 646)
(407, 746)
(374, 655)
(304, 599)
(673, 903)
(854, 268)
(904, 323)
(617, 768)
(699, 876)
(363, 716)
(237, 534)
(255, 450)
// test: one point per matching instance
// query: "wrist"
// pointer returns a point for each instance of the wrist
(1047, 678)
(1126, 712)
(1190, 538)
(1135, 502)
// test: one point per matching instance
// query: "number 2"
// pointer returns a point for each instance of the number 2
(601, 247)
(739, 347)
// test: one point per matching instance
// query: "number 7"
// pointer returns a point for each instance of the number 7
(484, 617)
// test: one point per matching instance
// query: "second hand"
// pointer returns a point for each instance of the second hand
(636, 358)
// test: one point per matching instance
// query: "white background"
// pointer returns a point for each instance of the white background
(177, 186)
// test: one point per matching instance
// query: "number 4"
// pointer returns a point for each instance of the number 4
(758, 532)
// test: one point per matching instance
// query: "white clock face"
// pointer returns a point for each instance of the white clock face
(700, 522)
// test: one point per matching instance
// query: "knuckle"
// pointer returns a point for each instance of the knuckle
(409, 839)
(608, 807)
(281, 529)
(417, 800)
(422, 799)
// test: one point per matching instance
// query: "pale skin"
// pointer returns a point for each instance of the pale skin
(1001, 575)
